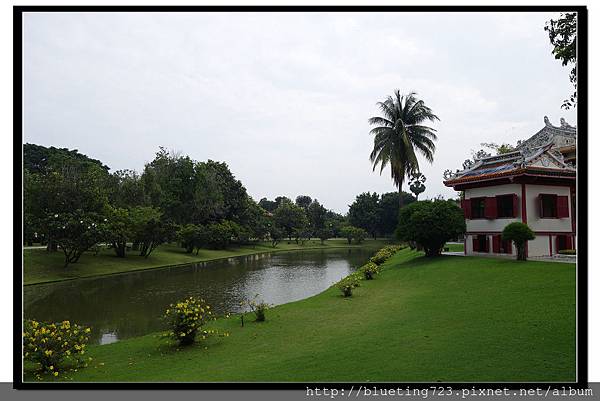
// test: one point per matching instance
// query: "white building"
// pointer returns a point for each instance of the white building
(535, 185)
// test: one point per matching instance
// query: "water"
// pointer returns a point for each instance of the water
(130, 305)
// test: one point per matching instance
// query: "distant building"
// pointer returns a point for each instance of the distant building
(534, 184)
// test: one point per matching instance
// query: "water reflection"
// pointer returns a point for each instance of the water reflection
(131, 304)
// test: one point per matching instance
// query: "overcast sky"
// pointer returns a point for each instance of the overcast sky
(284, 98)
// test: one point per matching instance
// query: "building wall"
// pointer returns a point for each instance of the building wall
(493, 225)
(533, 213)
(544, 227)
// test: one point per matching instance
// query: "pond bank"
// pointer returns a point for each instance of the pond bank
(41, 267)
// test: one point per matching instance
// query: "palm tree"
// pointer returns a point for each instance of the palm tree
(399, 132)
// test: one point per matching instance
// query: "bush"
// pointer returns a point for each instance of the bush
(51, 344)
(259, 308)
(568, 252)
(430, 224)
(349, 283)
(369, 270)
(353, 233)
(186, 318)
(519, 233)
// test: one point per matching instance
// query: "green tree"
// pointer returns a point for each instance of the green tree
(76, 232)
(399, 132)
(417, 184)
(389, 206)
(317, 215)
(120, 229)
(290, 218)
(365, 212)
(562, 33)
(430, 224)
(519, 233)
(303, 201)
(268, 205)
(500, 149)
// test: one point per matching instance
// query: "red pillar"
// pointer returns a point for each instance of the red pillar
(524, 213)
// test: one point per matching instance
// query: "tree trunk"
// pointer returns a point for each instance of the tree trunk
(135, 246)
(400, 200)
(52, 246)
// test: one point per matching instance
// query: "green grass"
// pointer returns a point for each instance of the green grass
(444, 319)
(455, 247)
(42, 267)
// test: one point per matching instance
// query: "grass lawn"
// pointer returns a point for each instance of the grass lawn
(445, 319)
(455, 247)
(41, 266)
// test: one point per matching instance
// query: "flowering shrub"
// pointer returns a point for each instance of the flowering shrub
(186, 319)
(51, 344)
(349, 283)
(258, 307)
(385, 253)
(369, 270)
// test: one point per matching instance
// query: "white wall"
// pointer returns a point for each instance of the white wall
(493, 225)
(533, 212)
(539, 246)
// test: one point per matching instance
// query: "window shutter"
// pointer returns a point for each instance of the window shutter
(491, 208)
(496, 243)
(488, 248)
(569, 242)
(515, 205)
(475, 243)
(540, 205)
(562, 206)
(466, 206)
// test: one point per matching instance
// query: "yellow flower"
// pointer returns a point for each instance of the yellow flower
(51, 367)
(55, 373)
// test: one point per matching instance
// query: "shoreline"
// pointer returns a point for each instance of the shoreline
(175, 265)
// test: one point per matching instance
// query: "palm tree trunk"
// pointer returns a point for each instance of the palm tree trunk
(400, 200)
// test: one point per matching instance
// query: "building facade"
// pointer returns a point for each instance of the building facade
(535, 184)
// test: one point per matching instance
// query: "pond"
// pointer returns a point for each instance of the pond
(129, 305)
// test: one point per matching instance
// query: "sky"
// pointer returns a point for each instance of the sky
(284, 98)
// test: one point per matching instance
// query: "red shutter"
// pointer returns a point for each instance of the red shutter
(515, 205)
(466, 206)
(562, 206)
(496, 243)
(569, 242)
(488, 248)
(475, 243)
(491, 208)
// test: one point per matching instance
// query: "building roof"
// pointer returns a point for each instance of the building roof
(538, 156)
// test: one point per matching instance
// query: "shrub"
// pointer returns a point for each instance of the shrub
(519, 233)
(349, 283)
(369, 270)
(568, 252)
(186, 318)
(259, 308)
(353, 233)
(430, 224)
(51, 344)
(381, 256)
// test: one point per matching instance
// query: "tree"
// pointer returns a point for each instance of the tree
(389, 207)
(189, 238)
(430, 224)
(417, 184)
(76, 232)
(353, 233)
(276, 234)
(364, 212)
(562, 33)
(289, 218)
(303, 201)
(268, 205)
(500, 149)
(324, 233)
(220, 235)
(399, 132)
(119, 229)
(317, 215)
(519, 233)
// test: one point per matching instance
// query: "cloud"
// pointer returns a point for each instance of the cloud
(284, 98)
